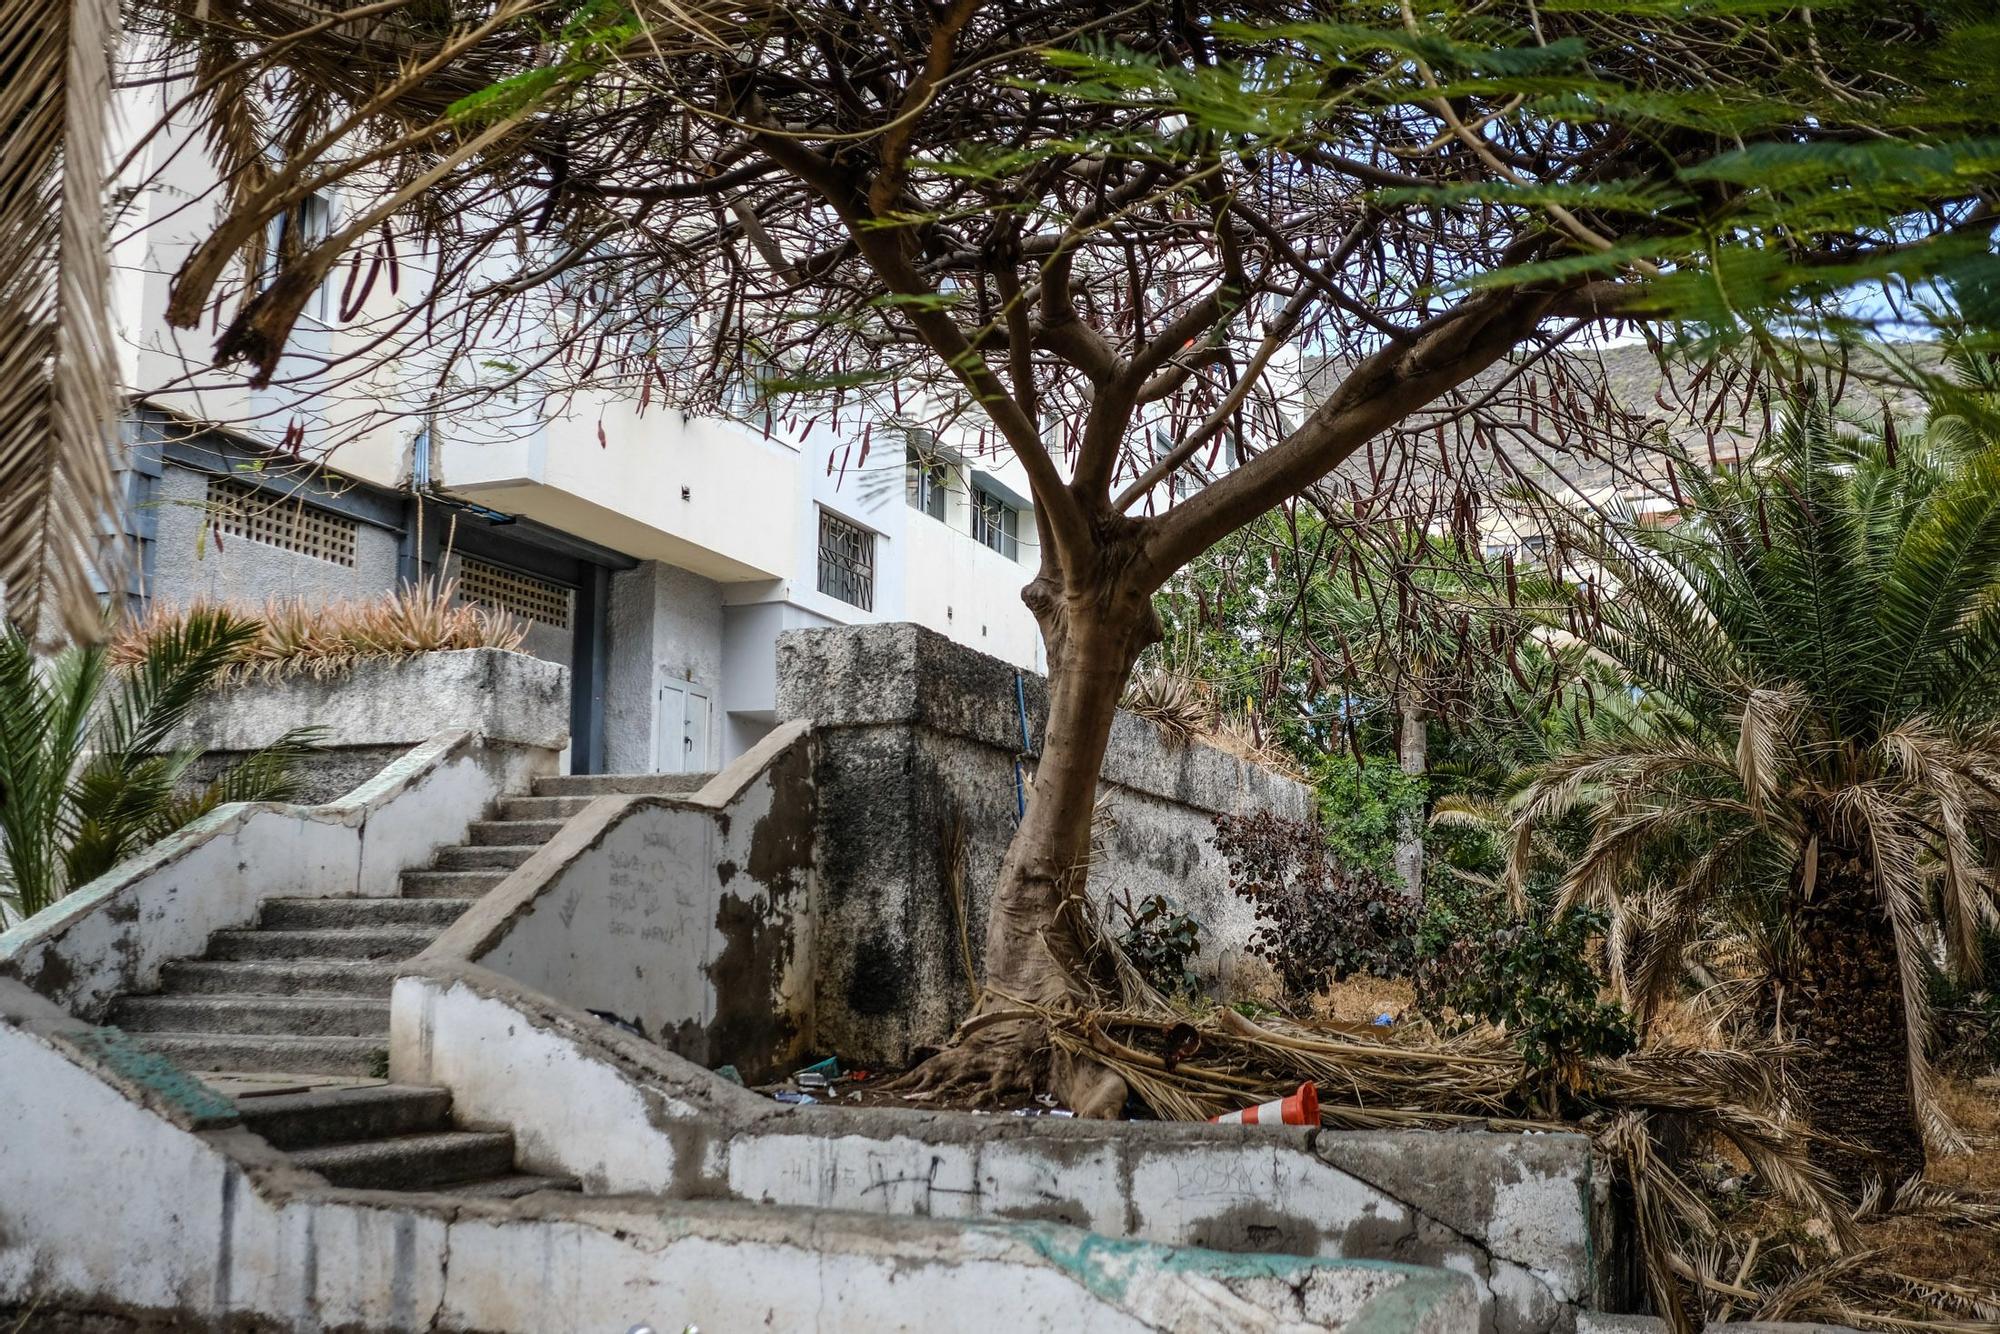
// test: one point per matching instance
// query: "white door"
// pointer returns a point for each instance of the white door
(680, 728)
(694, 732)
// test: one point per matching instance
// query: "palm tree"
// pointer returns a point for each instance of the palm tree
(1822, 635)
(86, 776)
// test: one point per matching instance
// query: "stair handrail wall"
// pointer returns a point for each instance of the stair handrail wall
(113, 935)
(688, 913)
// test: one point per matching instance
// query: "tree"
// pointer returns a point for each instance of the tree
(1102, 239)
(85, 776)
(1822, 638)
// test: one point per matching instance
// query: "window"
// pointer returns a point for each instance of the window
(996, 524)
(507, 590)
(238, 509)
(290, 235)
(846, 561)
(924, 480)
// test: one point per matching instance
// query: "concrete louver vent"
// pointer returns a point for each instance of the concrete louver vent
(275, 519)
(509, 590)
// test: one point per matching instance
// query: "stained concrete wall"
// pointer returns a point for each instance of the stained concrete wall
(212, 1229)
(379, 708)
(1526, 1218)
(918, 735)
(113, 935)
(688, 914)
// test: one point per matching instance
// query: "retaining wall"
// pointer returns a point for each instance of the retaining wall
(917, 738)
(1527, 1218)
(211, 1229)
(379, 708)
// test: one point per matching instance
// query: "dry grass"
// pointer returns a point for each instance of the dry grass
(1185, 709)
(1360, 1000)
(1785, 1246)
(325, 639)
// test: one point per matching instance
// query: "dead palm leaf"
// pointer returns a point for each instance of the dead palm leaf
(58, 376)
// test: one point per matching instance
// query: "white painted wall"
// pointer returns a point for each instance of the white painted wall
(115, 934)
(212, 1227)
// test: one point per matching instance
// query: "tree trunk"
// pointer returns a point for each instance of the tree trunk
(1844, 999)
(1413, 751)
(1033, 951)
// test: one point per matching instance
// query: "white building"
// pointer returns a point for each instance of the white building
(658, 556)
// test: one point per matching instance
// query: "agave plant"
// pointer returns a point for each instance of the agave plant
(88, 775)
(1822, 637)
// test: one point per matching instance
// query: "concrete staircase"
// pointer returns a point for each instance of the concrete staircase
(301, 999)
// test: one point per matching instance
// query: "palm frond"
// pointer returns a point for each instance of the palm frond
(58, 375)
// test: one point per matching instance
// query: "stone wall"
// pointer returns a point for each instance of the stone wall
(917, 741)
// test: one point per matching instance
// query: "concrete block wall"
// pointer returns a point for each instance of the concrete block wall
(918, 736)
(188, 564)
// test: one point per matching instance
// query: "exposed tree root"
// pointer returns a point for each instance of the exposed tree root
(1009, 1056)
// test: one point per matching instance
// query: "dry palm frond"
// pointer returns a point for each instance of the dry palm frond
(58, 376)
(1180, 706)
(323, 640)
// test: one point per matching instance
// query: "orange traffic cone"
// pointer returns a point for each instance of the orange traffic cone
(1301, 1109)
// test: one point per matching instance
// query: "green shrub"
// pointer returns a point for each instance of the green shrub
(1534, 974)
(1161, 941)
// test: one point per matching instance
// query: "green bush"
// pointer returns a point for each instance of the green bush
(1535, 974)
(1161, 941)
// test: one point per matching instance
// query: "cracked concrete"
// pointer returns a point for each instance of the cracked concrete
(1526, 1219)
(214, 1231)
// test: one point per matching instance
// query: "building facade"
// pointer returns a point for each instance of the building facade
(657, 555)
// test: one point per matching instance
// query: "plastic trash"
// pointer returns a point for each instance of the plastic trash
(1384, 1020)
(818, 1075)
(730, 1073)
(796, 1099)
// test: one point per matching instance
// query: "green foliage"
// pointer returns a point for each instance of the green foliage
(86, 776)
(1161, 941)
(1534, 974)
(1819, 640)
(588, 40)
(1318, 921)
(1362, 805)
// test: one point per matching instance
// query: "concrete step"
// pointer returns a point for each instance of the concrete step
(461, 885)
(600, 785)
(307, 1016)
(344, 1115)
(412, 1162)
(542, 808)
(488, 858)
(327, 914)
(513, 833)
(394, 942)
(512, 1187)
(207, 977)
(270, 1052)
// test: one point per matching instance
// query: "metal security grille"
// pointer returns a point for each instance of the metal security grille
(240, 510)
(846, 561)
(522, 594)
